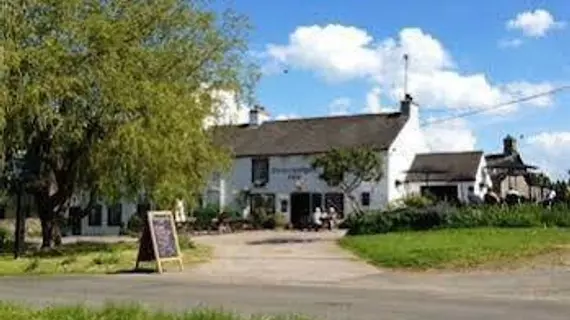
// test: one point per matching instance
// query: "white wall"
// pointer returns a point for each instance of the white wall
(287, 175)
(409, 142)
(128, 209)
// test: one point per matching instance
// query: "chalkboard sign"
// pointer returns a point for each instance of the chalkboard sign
(159, 241)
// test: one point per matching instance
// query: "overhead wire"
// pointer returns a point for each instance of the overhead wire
(497, 106)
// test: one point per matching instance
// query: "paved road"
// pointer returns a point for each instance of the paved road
(173, 293)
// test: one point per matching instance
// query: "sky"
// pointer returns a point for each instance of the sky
(346, 57)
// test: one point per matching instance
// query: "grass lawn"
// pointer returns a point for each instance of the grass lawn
(89, 257)
(457, 248)
(13, 312)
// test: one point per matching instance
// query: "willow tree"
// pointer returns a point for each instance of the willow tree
(107, 99)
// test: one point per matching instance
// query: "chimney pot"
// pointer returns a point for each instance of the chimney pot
(406, 104)
(257, 115)
(510, 145)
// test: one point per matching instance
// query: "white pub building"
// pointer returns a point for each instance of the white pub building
(272, 162)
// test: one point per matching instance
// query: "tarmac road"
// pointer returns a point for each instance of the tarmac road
(324, 302)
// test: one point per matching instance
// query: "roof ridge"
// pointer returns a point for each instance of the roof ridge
(451, 152)
(316, 118)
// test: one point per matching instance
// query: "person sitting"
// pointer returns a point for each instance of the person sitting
(317, 219)
(332, 218)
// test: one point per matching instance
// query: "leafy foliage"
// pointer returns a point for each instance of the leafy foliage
(442, 215)
(348, 168)
(110, 97)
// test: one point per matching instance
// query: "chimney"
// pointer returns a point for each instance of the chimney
(257, 116)
(406, 105)
(510, 145)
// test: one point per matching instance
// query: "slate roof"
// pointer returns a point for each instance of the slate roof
(506, 161)
(445, 166)
(310, 135)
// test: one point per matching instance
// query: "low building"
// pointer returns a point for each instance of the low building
(508, 171)
(449, 176)
(272, 161)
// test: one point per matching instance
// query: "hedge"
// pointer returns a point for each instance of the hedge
(442, 216)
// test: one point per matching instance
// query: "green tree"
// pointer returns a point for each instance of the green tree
(348, 168)
(107, 99)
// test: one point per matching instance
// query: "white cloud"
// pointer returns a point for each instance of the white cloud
(287, 116)
(525, 89)
(339, 106)
(550, 151)
(373, 97)
(452, 135)
(340, 53)
(534, 23)
(510, 43)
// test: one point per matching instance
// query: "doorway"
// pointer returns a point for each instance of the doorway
(441, 193)
(302, 206)
(300, 209)
(75, 220)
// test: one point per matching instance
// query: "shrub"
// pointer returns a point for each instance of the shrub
(205, 215)
(447, 216)
(417, 201)
(280, 221)
(135, 224)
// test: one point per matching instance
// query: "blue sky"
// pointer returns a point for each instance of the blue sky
(464, 55)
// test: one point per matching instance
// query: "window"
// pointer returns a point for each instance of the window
(114, 215)
(263, 204)
(95, 216)
(284, 206)
(213, 198)
(259, 171)
(365, 199)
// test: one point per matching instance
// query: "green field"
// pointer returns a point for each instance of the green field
(458, 248)
(13, 312)
(88, 257)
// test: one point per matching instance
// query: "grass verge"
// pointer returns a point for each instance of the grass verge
(458, 248)
(15, 312)
(91, 258)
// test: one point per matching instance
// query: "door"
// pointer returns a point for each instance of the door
(316, 201)
(300, 209)
(336, 201)
(75, 220)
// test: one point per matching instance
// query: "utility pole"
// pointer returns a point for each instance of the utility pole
(406, 65)
(19, 231)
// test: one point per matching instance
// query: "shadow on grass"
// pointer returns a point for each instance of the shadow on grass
(81, 248)
(32, 250)
(277, 241)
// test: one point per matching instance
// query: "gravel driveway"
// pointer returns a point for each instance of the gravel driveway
(279, 257)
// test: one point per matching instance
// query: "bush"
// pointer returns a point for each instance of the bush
(135, 224)
(417, 201)
(204, 216)
(446, 216)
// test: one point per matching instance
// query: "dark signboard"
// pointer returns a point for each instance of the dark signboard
(159, 241)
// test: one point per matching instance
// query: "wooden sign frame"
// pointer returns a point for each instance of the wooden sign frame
(149, 234)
